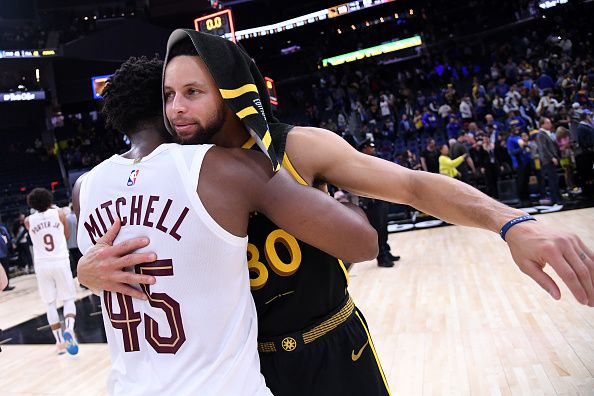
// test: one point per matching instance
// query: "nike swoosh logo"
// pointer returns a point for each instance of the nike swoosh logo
(356, 356)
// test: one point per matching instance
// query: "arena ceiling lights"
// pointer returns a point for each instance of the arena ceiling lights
(373, 51)
(544, 4)
(332, 12)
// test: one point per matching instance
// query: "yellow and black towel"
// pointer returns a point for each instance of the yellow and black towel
(242, 87)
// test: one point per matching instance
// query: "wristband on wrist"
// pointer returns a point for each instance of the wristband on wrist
(512, 223)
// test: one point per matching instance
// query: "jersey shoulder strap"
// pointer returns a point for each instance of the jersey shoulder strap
(279, 133)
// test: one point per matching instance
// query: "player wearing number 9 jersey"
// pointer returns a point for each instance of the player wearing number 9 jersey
(48, 230)
(196, 332)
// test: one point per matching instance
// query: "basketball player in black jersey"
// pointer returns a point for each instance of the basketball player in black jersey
(313, 340)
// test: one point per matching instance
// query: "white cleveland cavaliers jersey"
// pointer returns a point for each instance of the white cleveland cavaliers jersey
(47, 234)
(197, 333)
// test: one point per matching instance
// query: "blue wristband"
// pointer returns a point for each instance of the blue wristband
(512, 223)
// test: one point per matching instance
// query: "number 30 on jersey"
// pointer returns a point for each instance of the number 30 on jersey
(256, 266)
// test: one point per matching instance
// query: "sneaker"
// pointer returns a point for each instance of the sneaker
(70, 341)
(8, 288)
(60, 348)
(392, 257)
(385, 263)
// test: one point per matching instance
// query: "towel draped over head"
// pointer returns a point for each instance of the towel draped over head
(242, 88)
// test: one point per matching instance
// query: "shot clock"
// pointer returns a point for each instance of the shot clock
(220, 24)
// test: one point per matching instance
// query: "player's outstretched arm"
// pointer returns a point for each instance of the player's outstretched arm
(327, 157)
(101, 268)
(307, 213)
(62, 216)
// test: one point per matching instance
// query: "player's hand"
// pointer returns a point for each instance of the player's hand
(102, 267)
(533, 245)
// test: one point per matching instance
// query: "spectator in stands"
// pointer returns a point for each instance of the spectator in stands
(478, 90)
(549, 158)
(525, 164)
(453, 128)
(408, 109)
(512, 100)
(498, 106)
(6, 245)
(430, 157)
(568, 85)
(491, 133)
(528, 112)
(494, 71)
(585, 131)
(447, 166)
(535, 162)
(388, 130)
(474, 130)
(515, 121)
(520, 163)
(567, 157)
(480, 108)
(405, 128)
(547, 105)
(429, 122)
(341, 121)
(433, 106)
(373, 108)
(501, 88)
(566, 45)
(502, 156)
(444, 111)
(585, 158)
(409, 160)
(385, 107)
(418, 123)
(544, 81)
(458, 149)
(23, 243)
(71, 241)
(487, 164)
(510, 70)
(421, 99)
(377, 213)
(466, 109)
(497, 126)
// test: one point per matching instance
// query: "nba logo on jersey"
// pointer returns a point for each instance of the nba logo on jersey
(258, 104)
(133, 176)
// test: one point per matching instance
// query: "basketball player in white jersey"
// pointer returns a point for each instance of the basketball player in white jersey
(194, 333)
(48, 230)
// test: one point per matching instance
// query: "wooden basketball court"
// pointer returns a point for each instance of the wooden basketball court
(454, 317)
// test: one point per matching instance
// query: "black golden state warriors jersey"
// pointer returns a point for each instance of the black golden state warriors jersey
(293, 284)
